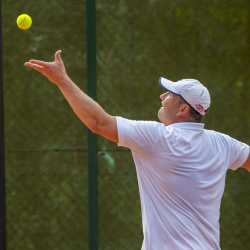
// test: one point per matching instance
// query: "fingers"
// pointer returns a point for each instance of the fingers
(37, 62)
(45, 64)
(58, 56)
(42, 66)
(34, 66)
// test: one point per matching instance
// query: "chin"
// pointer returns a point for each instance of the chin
(160, 115)
(162, 118)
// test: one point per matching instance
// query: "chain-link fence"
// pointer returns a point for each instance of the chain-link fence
(137, 42)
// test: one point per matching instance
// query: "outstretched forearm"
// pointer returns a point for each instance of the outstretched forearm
(89, 111)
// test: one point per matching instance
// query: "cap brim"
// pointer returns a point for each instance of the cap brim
(168, 85)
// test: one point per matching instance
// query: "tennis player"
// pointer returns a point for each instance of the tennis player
(181, 167)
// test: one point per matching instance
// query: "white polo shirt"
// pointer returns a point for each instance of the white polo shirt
(181, 171)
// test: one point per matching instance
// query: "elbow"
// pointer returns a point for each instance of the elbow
(94, 127)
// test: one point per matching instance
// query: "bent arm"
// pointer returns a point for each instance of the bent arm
(247, 163)
(89, 111)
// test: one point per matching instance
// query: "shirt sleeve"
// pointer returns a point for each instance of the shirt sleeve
(139, 136)
(239, 152)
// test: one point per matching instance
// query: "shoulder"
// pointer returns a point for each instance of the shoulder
(222, 137)
(236, 152)
(138, 135)
(135, 124)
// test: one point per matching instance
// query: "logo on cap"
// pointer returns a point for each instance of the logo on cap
(199, 107)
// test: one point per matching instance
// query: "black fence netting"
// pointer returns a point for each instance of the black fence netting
(137, 42)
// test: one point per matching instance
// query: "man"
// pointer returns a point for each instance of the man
(181, 167)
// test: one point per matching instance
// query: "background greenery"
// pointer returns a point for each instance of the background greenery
(137, 42)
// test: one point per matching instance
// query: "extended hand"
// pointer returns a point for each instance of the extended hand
(54, 71)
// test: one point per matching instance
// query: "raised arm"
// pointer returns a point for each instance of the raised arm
(89, 111)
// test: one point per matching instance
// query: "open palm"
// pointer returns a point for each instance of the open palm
(54, 71)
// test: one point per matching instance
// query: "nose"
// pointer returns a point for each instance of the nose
(163, 96)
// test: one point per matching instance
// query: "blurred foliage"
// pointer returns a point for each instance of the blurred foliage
(137, 42)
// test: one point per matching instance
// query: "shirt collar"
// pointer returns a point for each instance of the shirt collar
(188, 125)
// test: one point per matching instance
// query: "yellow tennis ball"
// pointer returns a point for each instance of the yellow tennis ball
(24, 21)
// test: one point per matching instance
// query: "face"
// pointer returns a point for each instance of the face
(167, 114)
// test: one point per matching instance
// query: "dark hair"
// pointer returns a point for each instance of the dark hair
(193, 114)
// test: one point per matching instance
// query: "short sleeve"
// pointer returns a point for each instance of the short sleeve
(239, 152)
(139, 136)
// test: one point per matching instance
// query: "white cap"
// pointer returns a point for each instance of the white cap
(191, 90)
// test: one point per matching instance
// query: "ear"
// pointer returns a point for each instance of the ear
(183, 110)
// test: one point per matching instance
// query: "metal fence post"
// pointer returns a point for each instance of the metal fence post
(2, 166)
(92, 140)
